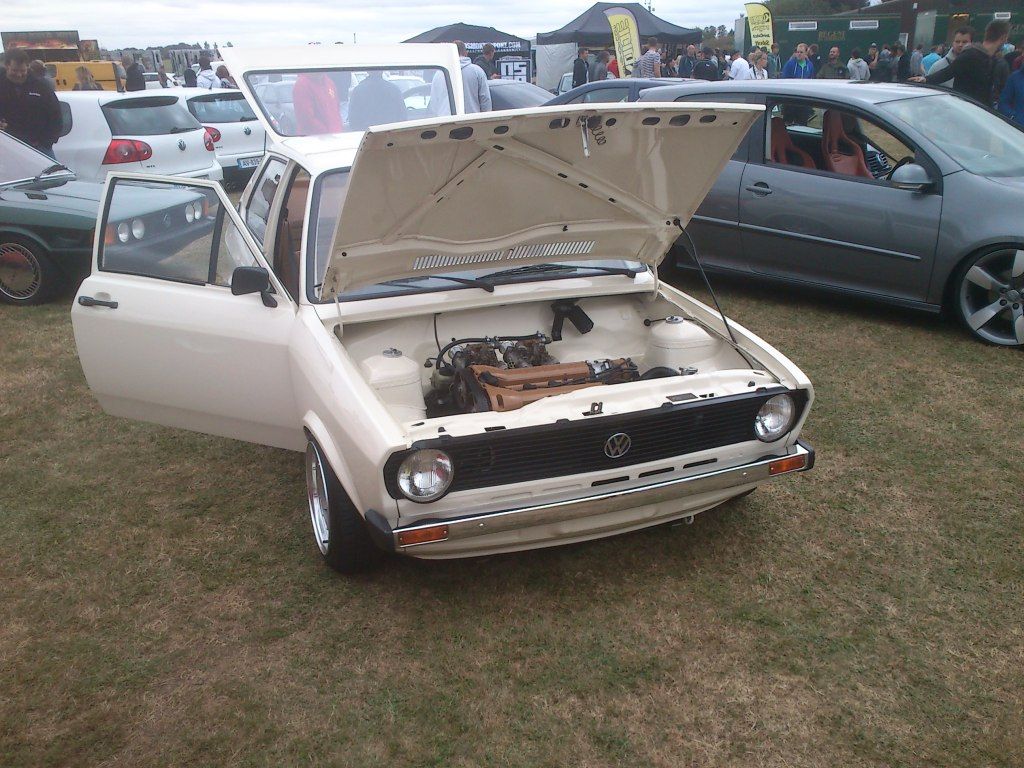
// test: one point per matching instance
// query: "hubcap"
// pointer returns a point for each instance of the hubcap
(992, 297)
(319, 504)
(20, 275)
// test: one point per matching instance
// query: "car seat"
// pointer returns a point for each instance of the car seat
(784, 151)
(842, 154)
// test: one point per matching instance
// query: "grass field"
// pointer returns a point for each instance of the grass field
(162, 602)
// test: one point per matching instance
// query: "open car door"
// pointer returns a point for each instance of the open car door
(162, 335)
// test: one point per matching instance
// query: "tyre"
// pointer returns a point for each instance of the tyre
(27, 273)
(988, 296)
(338, 528)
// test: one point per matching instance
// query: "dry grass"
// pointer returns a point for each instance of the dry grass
(161, 601)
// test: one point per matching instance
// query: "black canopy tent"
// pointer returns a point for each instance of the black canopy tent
(591, 28)
(475, 37)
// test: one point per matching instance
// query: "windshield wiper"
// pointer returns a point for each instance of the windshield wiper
(531, 269)
(461, 280)
(53, 169)
(248, 119)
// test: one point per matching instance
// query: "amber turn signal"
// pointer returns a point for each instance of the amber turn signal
(788, 464)
(423, 535)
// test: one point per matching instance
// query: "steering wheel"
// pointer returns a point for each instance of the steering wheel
(900, 164)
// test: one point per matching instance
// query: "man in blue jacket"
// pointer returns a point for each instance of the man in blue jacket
(1011, 100)
(798, 67)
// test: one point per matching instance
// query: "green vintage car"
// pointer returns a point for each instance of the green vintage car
(48, 219)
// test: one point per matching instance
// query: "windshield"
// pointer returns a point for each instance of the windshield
(221, 108)
(312, 103)
(153, 116)
(19, 161)
(977, 139)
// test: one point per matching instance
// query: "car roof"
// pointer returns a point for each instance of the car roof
(105, 97)
(850, 91)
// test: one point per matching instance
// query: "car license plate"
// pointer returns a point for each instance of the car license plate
(248, 162)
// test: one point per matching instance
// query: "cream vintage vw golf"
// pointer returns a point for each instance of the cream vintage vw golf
(457, 318)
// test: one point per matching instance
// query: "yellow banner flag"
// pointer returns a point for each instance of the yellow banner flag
(626, 37)
(759, 18)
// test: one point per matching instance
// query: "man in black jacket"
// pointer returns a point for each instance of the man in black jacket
(580, 68)
(977, 72)
(29, 109)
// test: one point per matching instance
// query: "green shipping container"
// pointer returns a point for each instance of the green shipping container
(846, 32)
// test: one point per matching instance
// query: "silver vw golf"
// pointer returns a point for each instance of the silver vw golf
(901, 193)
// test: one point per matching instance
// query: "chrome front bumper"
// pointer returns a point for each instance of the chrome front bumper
(404, 538)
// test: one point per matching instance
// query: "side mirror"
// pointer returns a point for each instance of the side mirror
(912, 177)
(245, 280)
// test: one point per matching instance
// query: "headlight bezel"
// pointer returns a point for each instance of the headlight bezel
(438, 460)
(773, 435)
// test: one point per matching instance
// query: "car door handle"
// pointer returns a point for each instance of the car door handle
(759, 189)
(89, 301)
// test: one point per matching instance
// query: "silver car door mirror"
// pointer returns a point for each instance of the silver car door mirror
(912, 177)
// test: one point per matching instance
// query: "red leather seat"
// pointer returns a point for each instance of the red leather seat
(842, 154)
(784, 151)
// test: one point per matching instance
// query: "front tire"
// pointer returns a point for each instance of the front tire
(338, 528)
(988, 295)
(27, 273)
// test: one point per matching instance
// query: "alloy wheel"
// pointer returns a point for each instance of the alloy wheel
(319, 502)
(992, 297)
(20, 272)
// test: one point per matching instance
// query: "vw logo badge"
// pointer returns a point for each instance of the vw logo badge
(247, 131)
(617, 446)
(181, 144)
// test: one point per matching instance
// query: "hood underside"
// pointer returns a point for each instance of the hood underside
(574, 183)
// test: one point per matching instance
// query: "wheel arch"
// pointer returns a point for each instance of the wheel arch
(975, 250)
(27, 234)
(317, 431)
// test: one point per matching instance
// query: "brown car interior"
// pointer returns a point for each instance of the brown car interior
(837, 151)
(288, 244)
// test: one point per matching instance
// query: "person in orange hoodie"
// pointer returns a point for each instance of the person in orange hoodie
(317, 109)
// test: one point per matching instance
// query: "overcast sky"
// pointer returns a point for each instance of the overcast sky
(123, 23)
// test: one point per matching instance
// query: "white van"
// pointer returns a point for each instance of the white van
(138, 132)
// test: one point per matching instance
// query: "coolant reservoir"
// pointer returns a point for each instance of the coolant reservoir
(680, 343)
(396, 379)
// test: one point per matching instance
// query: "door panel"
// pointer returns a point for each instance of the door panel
(837, 231)
(169, 343)
(715, 226)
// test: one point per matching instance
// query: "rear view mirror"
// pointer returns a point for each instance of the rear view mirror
(911, 177)
(246, 280)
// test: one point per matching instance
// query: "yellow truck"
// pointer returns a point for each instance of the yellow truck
(104, 72)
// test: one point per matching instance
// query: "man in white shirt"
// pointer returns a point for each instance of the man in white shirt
(740, 69)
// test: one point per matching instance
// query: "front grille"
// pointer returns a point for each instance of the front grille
(553, 450)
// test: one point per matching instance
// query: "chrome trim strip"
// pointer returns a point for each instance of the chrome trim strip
(587, 506)
(828, 241)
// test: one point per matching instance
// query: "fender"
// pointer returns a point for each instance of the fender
(315, 429)
(939, 293)
(28, 234)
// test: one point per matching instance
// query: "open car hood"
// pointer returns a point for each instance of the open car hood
(574, 183)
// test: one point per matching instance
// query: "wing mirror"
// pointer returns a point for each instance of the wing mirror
(912, 177)
(246, 280)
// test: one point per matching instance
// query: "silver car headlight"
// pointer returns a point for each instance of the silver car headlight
(138, 229)
(190, 213)
(123, 231)
(425, 475)
(775, 418)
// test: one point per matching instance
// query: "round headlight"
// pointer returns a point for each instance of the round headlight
(775, 418)
(138, 229)
(190, 213)
(197, 209)
(122, 231)
(425, 475)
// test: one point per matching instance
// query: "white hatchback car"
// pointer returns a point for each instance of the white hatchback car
(239, 140)
(457, 320)
(139, 131)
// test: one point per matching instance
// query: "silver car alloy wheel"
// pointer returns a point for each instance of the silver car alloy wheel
(992, 297)
(20, 273)
(319, 501)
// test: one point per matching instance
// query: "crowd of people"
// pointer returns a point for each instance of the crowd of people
(988, 70)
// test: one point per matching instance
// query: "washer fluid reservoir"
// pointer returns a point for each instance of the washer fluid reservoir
(680, 343)
(396, 380)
